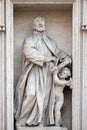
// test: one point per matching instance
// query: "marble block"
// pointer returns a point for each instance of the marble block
(42, 128)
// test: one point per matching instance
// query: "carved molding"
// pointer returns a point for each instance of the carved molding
(43, 1)
(1, 12)
(2, 28)
(2, 68)
(76, 54)
(76, 59)
(84, 27)
(9, 67)
(84, 12)
(84, 67)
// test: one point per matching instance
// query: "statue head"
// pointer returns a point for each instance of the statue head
(64, 73)
(39, 24)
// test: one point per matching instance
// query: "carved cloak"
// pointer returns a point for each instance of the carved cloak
(32, 57)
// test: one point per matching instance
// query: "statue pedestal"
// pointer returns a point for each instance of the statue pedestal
(42, 128)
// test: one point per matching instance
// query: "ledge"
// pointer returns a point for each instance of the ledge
(43, 1)
(2, 28)
(84, 27)
(41, 128)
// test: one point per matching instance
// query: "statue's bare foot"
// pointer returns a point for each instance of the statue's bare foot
(57, 125)
(40, 124)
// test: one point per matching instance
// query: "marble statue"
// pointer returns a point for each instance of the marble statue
(59, 79)
(33, 91)
(57, 70)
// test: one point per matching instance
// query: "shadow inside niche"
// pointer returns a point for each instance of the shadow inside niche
(67, 108)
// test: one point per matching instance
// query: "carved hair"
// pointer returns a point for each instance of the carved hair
(67, 71)
(39, 18)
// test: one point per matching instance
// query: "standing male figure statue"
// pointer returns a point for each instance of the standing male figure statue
(35, 83)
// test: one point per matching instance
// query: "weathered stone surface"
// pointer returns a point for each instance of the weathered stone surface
(78, 118)
(41, 96)
(58, 22)
(42, 128)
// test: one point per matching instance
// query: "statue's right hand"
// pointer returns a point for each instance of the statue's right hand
(49, 59)
(54, 70)
(68, 83)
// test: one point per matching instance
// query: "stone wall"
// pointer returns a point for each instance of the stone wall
(73, 43)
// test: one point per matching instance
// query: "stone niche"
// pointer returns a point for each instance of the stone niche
(59, 27)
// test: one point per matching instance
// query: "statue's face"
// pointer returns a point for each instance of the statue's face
(39, 25)
(64, 74)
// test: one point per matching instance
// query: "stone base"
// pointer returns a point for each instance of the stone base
(42, 128)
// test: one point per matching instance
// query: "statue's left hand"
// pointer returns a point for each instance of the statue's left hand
(54, 70)
(49, 59)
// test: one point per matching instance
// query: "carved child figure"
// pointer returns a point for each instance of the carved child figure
(60, 82)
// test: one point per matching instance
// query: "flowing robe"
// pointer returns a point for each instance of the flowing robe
(35, 83)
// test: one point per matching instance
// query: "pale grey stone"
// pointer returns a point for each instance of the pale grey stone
(61, 22)
(34, 95)
(79, 49)
(59, 79)
(42, 128)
